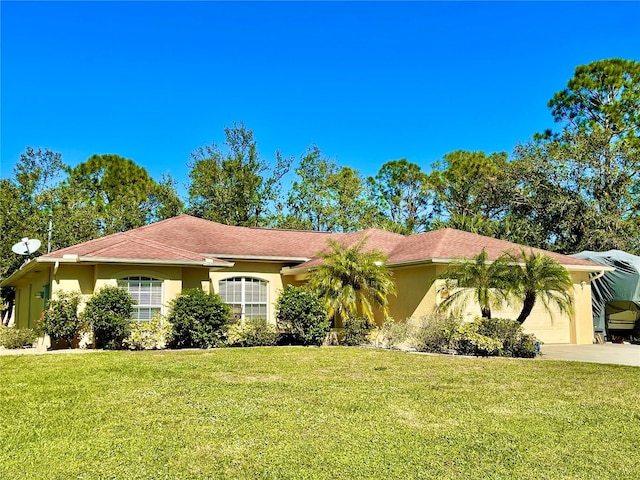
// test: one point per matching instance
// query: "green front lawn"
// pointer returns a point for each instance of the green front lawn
(314, 413)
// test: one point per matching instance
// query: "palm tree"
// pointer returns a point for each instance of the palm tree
(485, 281)
(352, 281)
(542, 277)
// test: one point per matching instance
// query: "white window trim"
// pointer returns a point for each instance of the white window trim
(124, 283)
(243, 302)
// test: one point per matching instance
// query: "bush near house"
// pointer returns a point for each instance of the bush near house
(156, 334)
(483, 337)
(256, 332)
(468, 341)
(302, 316)
(108, 312)
(356, 331)
(11, 337)
(199, 319)
(434, 333)
(60, 320)
(392, 333)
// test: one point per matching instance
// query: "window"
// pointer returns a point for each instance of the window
(247, 297)
(147, 292)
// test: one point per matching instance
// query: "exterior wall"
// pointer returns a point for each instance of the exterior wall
(74, 278)
(582, 316)
(416, 291)
(171, 277)
(30, 298)
(87, 279)
(419, 293)
(270, 272)
(196, 278)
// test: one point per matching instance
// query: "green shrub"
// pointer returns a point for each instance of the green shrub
(199, 319)
(108, 311)
(252, 333)
(155, 334)
(11, 337)
(356, 331)
(393, 333)
(302, 315)
(467, 341)
(434, 333)
(503, 329)
(61, 320)
(515, 343)
(528, 347)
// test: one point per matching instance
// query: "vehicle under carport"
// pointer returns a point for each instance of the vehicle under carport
(615, 295)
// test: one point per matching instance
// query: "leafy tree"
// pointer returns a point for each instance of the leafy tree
(228, 186)
(352, 281)
(25, 205)
(580, 200)
(402, 193)
(325, 197)
(581, 184)
(115, 189)
(487, 282)
(352, 209)
(471, 184)
(541, 278)
(602, 96)
(164, 200)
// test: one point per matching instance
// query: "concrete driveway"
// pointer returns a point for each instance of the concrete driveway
(620, 354)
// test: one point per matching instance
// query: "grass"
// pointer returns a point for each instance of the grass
(314, 413)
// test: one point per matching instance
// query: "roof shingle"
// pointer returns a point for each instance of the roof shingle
(189, 238)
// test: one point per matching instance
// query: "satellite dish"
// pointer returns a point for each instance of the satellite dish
(26, 246)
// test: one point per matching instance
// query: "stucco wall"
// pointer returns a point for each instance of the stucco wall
(171, 277)
(418, 293)
(270, 272)
(29, 301)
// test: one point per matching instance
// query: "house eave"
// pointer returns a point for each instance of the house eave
(260, 258)
(208, 262)
(448, 261)
(76, 259)
(22, 271)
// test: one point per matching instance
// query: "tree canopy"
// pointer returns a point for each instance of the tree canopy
(570, 189)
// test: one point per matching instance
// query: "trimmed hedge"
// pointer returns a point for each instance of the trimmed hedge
(302, 316)
(199, 319)
(108, 311)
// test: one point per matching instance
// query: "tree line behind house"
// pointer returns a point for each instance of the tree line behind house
(568, 190)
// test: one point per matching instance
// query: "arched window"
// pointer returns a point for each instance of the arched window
(147, 292)
(247, 297)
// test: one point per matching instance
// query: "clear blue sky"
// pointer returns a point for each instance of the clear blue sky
(366, 82)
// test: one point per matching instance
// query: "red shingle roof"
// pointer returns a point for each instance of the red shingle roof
(189, 238)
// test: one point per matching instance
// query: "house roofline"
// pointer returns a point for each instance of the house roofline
(259, 258)
(207, 262)
(448, 261)
(75, 259)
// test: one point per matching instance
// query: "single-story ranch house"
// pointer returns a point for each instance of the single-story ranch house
(248, 267)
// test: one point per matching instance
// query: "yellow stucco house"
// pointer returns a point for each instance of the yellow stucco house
(248, 267)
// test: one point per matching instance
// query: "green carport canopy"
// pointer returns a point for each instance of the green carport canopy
(616, 291)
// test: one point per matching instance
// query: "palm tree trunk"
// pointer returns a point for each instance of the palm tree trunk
(529, 302)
